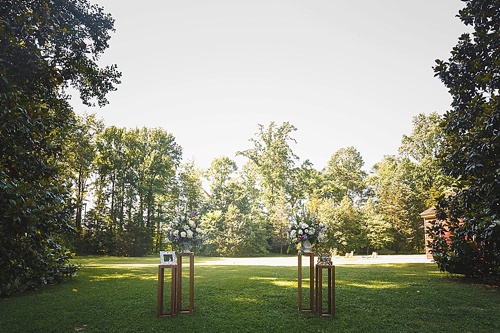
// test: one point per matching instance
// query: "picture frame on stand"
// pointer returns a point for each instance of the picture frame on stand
(168, 258)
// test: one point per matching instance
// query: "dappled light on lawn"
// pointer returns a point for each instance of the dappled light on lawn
(371, 284)
(124, 275)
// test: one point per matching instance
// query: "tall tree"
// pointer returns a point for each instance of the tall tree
(233, 217)
(422, 147)
(276, 165)
(79, 156)
(344, 176)
(136, 185)
(471, 147)
(45, 47)
(377, 229)
(345, 225)
(400, 201)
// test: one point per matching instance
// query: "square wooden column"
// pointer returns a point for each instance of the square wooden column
(331, 290)
(311, 282)
(173, 287)
(190, 255)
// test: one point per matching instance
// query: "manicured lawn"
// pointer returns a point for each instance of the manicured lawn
(119, 295)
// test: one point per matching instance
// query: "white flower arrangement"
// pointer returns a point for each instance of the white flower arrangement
(184, 234)
(305, 227)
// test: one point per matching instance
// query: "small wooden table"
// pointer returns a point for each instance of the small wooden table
(311, 282)
(173, 287)
(190, 309)
(331, 290)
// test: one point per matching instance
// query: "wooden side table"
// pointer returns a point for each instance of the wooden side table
(331, 290)
(311, 282)
(190, 309)
(173, 287)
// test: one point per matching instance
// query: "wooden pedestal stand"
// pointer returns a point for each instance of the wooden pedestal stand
(331, 290)
(311, 282)
(173, 287)
(190, 309)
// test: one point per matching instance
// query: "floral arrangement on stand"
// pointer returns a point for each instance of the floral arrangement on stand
(305, 231)
(184, 233)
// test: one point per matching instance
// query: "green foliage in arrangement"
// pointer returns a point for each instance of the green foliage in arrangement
(45, 47)
(471, 148)
(119, 295)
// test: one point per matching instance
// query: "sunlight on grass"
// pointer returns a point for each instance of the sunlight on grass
(372, 285)
(287, 284)
(279, 282)
(121, 266)
(246, 299)
(130, 275)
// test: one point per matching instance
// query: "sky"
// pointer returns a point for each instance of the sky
(344, 73)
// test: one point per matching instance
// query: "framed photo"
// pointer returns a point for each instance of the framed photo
(168, 258)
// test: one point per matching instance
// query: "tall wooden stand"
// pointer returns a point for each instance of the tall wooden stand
(311, 282)
(173, 287)
(331, 290)
(189, 309)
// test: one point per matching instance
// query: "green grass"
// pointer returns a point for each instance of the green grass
(119, 295)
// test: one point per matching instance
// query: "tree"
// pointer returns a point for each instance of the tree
(45, 47)
(220, 175)
(79, 155)
(422, 148)
(344, 224)
(137, 189)
(377, 229)
(400, 200)
(275, 163)
(471, 147)
(344, 176)
(232, 216)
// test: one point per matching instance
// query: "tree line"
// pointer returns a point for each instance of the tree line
(130, 183)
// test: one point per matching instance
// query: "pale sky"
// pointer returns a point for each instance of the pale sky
(344, 73)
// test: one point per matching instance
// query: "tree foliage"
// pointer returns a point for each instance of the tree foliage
(471, 147)
(45, 47)
(400, 201)
(344, 176)
(136, 191)
(233, 219)
(275, 163)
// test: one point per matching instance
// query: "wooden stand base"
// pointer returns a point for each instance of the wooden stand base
(331, 290)
(173, 287)
(311, 282)
(189, 309)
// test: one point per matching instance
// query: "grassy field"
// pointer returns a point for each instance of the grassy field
(119, 295)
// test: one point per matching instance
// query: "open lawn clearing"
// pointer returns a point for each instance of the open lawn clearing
(119, 295)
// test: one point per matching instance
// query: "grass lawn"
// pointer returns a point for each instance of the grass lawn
(119, 295)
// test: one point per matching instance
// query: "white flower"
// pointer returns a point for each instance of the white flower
(185, 227)
(192, 224)
(300, 232)
(302, 225)
(189, 234)
(176, 233)
(311, 231)
(183, 234)
(199, 230)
